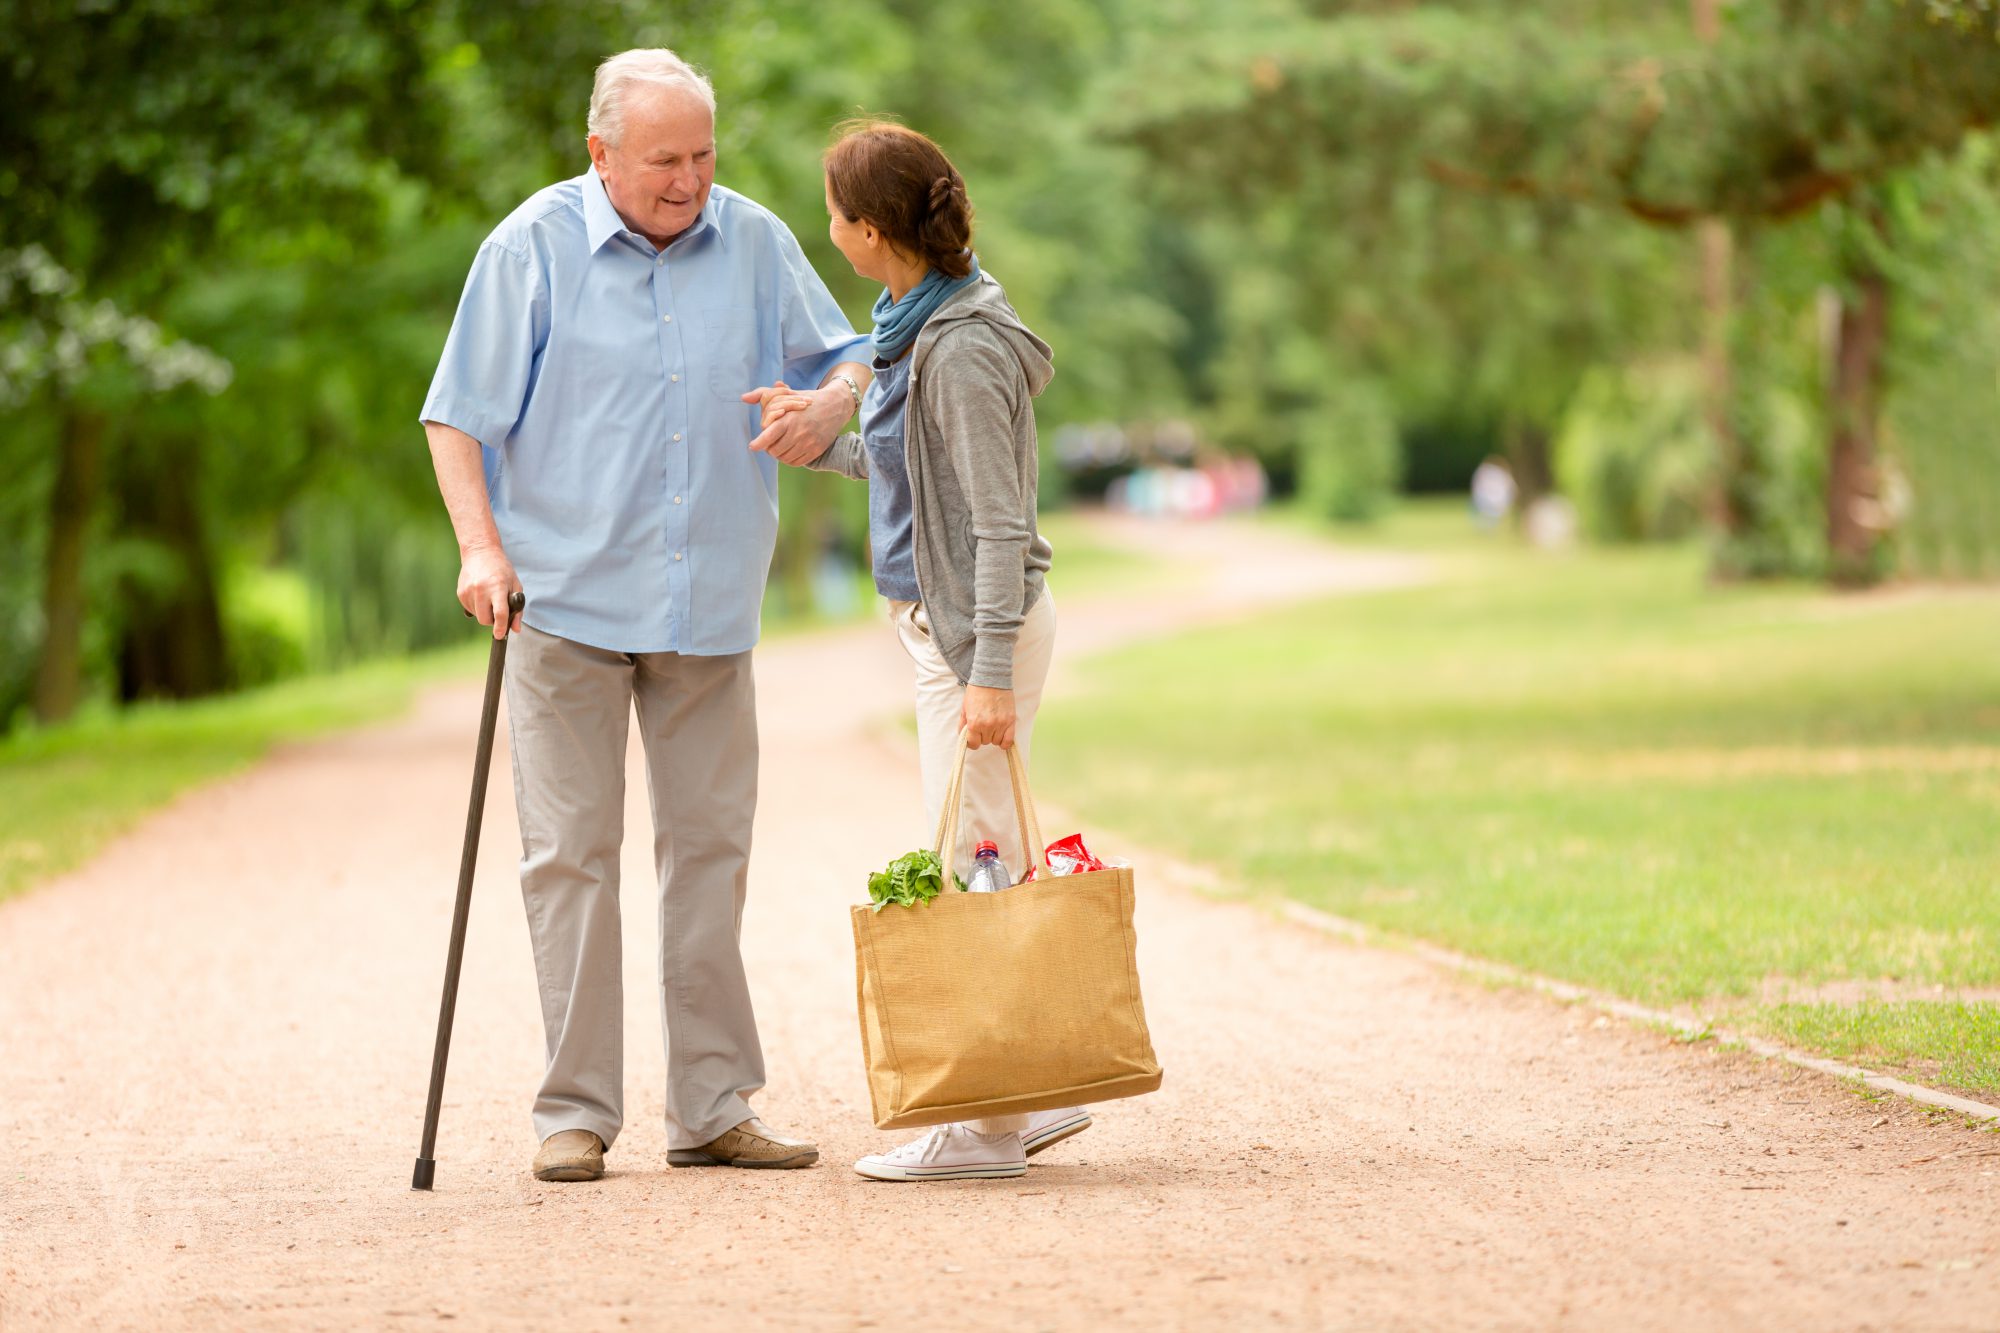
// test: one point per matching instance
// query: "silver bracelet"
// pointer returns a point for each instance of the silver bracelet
(852, 388)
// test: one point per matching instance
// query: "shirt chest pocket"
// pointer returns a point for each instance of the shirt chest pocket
(731, 332)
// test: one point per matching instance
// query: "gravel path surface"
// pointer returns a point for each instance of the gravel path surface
(216, 1038)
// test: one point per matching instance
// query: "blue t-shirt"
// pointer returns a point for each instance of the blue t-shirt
(889, 514)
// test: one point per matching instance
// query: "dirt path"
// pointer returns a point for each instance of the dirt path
(216, 1038)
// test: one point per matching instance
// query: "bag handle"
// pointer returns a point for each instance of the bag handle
(1024, 810)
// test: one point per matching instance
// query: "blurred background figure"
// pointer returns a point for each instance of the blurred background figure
(1161, 470)
(1493, 492)
(1550, 523)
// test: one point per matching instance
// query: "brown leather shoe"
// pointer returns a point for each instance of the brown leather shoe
(570, 1154)
(752, 1144)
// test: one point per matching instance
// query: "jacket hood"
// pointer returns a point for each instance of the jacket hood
(986, 301)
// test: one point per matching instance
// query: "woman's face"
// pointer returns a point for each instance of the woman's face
(858, 242)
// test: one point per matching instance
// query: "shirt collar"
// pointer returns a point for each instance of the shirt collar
(601, 221)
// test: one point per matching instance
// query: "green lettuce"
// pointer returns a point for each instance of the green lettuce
(915, 877)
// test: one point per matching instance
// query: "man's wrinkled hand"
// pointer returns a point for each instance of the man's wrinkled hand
(988, 717)
(485, 583)
(799, 434)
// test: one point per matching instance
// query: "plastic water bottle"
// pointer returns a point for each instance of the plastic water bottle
(988, 874)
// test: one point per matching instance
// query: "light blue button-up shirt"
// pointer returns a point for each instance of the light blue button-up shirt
(603, 379)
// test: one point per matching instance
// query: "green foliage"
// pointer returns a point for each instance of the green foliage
(1449, 197)
(912, 878)
(380, 577)
(1802, 100)
(1339, 264)
(1946, 392)
(144, 135)
(1349, 456)
(267, 623)
(56, 340)
(1634, 453)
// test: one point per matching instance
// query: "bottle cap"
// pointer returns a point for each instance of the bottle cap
(986, 847)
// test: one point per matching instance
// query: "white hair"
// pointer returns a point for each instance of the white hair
(653, 68)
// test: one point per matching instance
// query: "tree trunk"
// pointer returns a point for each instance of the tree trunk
(172, 645)
(1528, 458)
(1854, 518)
(79, 477)
(1717, 250)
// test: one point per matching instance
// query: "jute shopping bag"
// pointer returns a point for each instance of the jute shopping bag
(978, 1004)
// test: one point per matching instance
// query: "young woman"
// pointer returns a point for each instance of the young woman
(947, 447)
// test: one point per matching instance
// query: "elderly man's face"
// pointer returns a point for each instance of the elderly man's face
(660, 171)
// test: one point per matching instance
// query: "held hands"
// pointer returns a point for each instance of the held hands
(485, 582)
(988, 717)
(798, 424)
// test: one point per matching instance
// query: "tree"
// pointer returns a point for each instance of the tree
(1798, 106)
(63, 347)
(139, 143)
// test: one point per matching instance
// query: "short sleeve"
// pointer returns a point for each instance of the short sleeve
(816, 333)
(482, 379)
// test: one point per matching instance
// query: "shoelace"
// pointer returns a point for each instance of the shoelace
(925, 1149)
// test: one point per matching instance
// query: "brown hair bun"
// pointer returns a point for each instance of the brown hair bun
(902, 183)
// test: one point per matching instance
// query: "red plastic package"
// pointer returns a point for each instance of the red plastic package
(1070, 857)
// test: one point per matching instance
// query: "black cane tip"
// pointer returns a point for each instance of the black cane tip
(425, 1174)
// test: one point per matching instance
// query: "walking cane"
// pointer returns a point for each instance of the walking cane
(488, 713)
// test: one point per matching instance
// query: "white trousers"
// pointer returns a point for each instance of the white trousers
(989, 793)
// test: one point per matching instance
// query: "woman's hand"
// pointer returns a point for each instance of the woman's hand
(988, 717)
(798, 424)
(776, 401)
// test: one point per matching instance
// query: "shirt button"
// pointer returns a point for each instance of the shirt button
(676, 378)
(677, 499)
(677, 555)
(666, 319)
(677, 437)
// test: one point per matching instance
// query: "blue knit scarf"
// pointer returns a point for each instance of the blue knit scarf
(897, 323)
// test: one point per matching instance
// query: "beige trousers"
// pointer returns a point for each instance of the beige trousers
(569, 707)
(989, 793)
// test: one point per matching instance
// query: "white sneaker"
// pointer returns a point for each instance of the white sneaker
(1048, 1128)
(949, 1152)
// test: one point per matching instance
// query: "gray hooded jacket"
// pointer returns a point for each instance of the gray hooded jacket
(969, 445)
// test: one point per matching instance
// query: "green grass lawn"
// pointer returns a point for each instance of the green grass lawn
(66, 791)
(1598, 768)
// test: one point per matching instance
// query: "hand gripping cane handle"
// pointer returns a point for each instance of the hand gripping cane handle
(489, 711)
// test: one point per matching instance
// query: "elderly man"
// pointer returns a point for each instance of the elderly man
(590, 434)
